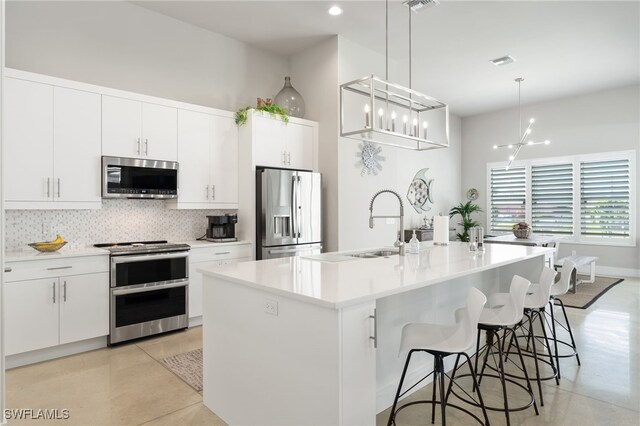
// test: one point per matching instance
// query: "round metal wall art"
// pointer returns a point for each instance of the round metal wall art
(369, 159)
(472, 194)
(420, 192)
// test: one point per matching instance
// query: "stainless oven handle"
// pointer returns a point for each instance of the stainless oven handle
(293, 250)
(149, 256)
(150, 288)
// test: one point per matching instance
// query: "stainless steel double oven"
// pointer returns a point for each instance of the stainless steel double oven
(149, 289)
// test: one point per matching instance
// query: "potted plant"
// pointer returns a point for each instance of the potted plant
(264, 106)
(465, 211)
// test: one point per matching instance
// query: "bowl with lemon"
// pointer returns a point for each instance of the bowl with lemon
(49, 246)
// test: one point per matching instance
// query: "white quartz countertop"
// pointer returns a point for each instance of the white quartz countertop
(195, 244)
(336, 283)
(26, 254)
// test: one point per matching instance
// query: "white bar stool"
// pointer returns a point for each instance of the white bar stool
(504, 313)
(442, 341)
(567, 274)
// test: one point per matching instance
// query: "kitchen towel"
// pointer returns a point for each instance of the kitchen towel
(441, 230)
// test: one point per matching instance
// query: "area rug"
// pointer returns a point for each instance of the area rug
(586, 294)
(187, 366)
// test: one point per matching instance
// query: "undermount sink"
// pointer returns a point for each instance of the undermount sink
(373, 254)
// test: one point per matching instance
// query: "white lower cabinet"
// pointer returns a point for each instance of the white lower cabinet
(210, 256)
(45, 307)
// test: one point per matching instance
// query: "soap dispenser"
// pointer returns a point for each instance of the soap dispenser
(414, 244)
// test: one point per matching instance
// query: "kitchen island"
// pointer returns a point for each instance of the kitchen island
(315, 340)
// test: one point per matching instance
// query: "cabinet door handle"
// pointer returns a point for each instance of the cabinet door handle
(59, 267)
(222, 252)
(58, 187)
(48, 187)
(213, 192)
(64, 291)
(7, 269)
(138, 150)
(375, 329)
(54, 292)
(289, 158)
(207, 192)
(146, 147)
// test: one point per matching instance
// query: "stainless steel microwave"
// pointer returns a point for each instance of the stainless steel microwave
(139, 178)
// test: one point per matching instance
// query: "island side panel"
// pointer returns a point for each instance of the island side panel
(433, 304)
(268, 369)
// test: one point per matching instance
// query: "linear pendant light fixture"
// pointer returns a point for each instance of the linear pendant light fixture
(523, 136)
(373, 109)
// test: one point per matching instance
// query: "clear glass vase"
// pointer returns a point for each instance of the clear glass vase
(290, 99)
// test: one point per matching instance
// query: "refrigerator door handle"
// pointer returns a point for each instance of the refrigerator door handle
(298, 205)
(294, 207)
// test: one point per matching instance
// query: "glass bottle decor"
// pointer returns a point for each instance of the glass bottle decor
(290, 99)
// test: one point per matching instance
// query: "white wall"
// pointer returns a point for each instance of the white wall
(398, 169)
(598, 122)
(314, 74)
(120, 45)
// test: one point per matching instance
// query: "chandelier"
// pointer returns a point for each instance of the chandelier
(373, 109)
(516, 147)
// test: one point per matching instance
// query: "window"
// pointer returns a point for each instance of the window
(552, 198)
(508, 198)
(586, 199)
(604, 198)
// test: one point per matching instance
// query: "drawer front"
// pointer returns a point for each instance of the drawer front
(206, 254)
(36, 269)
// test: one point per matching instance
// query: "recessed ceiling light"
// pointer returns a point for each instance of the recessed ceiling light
(335, 11)
(505, 60)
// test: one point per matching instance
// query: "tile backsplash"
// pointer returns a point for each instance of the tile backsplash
(118, 220)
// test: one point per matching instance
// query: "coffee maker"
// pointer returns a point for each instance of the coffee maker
(222, 228)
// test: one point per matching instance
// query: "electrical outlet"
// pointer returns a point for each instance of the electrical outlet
(46, 229)
(271, 307)
(573, 252)
(391, 221)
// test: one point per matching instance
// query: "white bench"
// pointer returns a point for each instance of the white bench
(581, 261)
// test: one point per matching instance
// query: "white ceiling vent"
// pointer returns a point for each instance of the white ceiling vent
(505, 60)
(416, 5)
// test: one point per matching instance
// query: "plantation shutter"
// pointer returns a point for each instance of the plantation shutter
(508, 198)
(552, 198)
(605, 198)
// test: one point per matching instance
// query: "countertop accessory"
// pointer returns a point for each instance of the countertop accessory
(400, 240)
(522, 135)
(441, 230)
(472, 194)
(369, 159)
(48, 247)
(521, 230)
(425, 120)
(420, 191)
(290, 99)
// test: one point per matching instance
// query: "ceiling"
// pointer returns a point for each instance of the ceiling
(562, 48)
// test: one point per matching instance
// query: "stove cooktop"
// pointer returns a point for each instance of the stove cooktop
(132, 247)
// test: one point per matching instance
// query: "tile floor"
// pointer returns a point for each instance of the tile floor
(128, 385)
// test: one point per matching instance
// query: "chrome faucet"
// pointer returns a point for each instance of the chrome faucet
(400, 241)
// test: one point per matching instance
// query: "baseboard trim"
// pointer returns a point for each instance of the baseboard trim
(609, 271)
(195, 321)
(46, 354)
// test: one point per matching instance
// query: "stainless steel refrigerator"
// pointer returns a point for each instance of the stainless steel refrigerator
(288, 215)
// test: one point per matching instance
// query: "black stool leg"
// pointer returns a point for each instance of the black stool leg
(504, 383)
(475, 384)
(477, 356)
(524, 368)
(535, 355)
(566, 319)
(546, 339)
(392, 415)
(443, 401)
(433, 394)
(486, 354)
(555, 337)
(453, 375)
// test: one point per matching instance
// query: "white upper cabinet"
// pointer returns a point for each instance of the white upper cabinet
(193, 157)
(28, 141)
(135, 129)
(77, 148)
(51, 146)
(224, 161)
(278, 144)
(208, 161)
